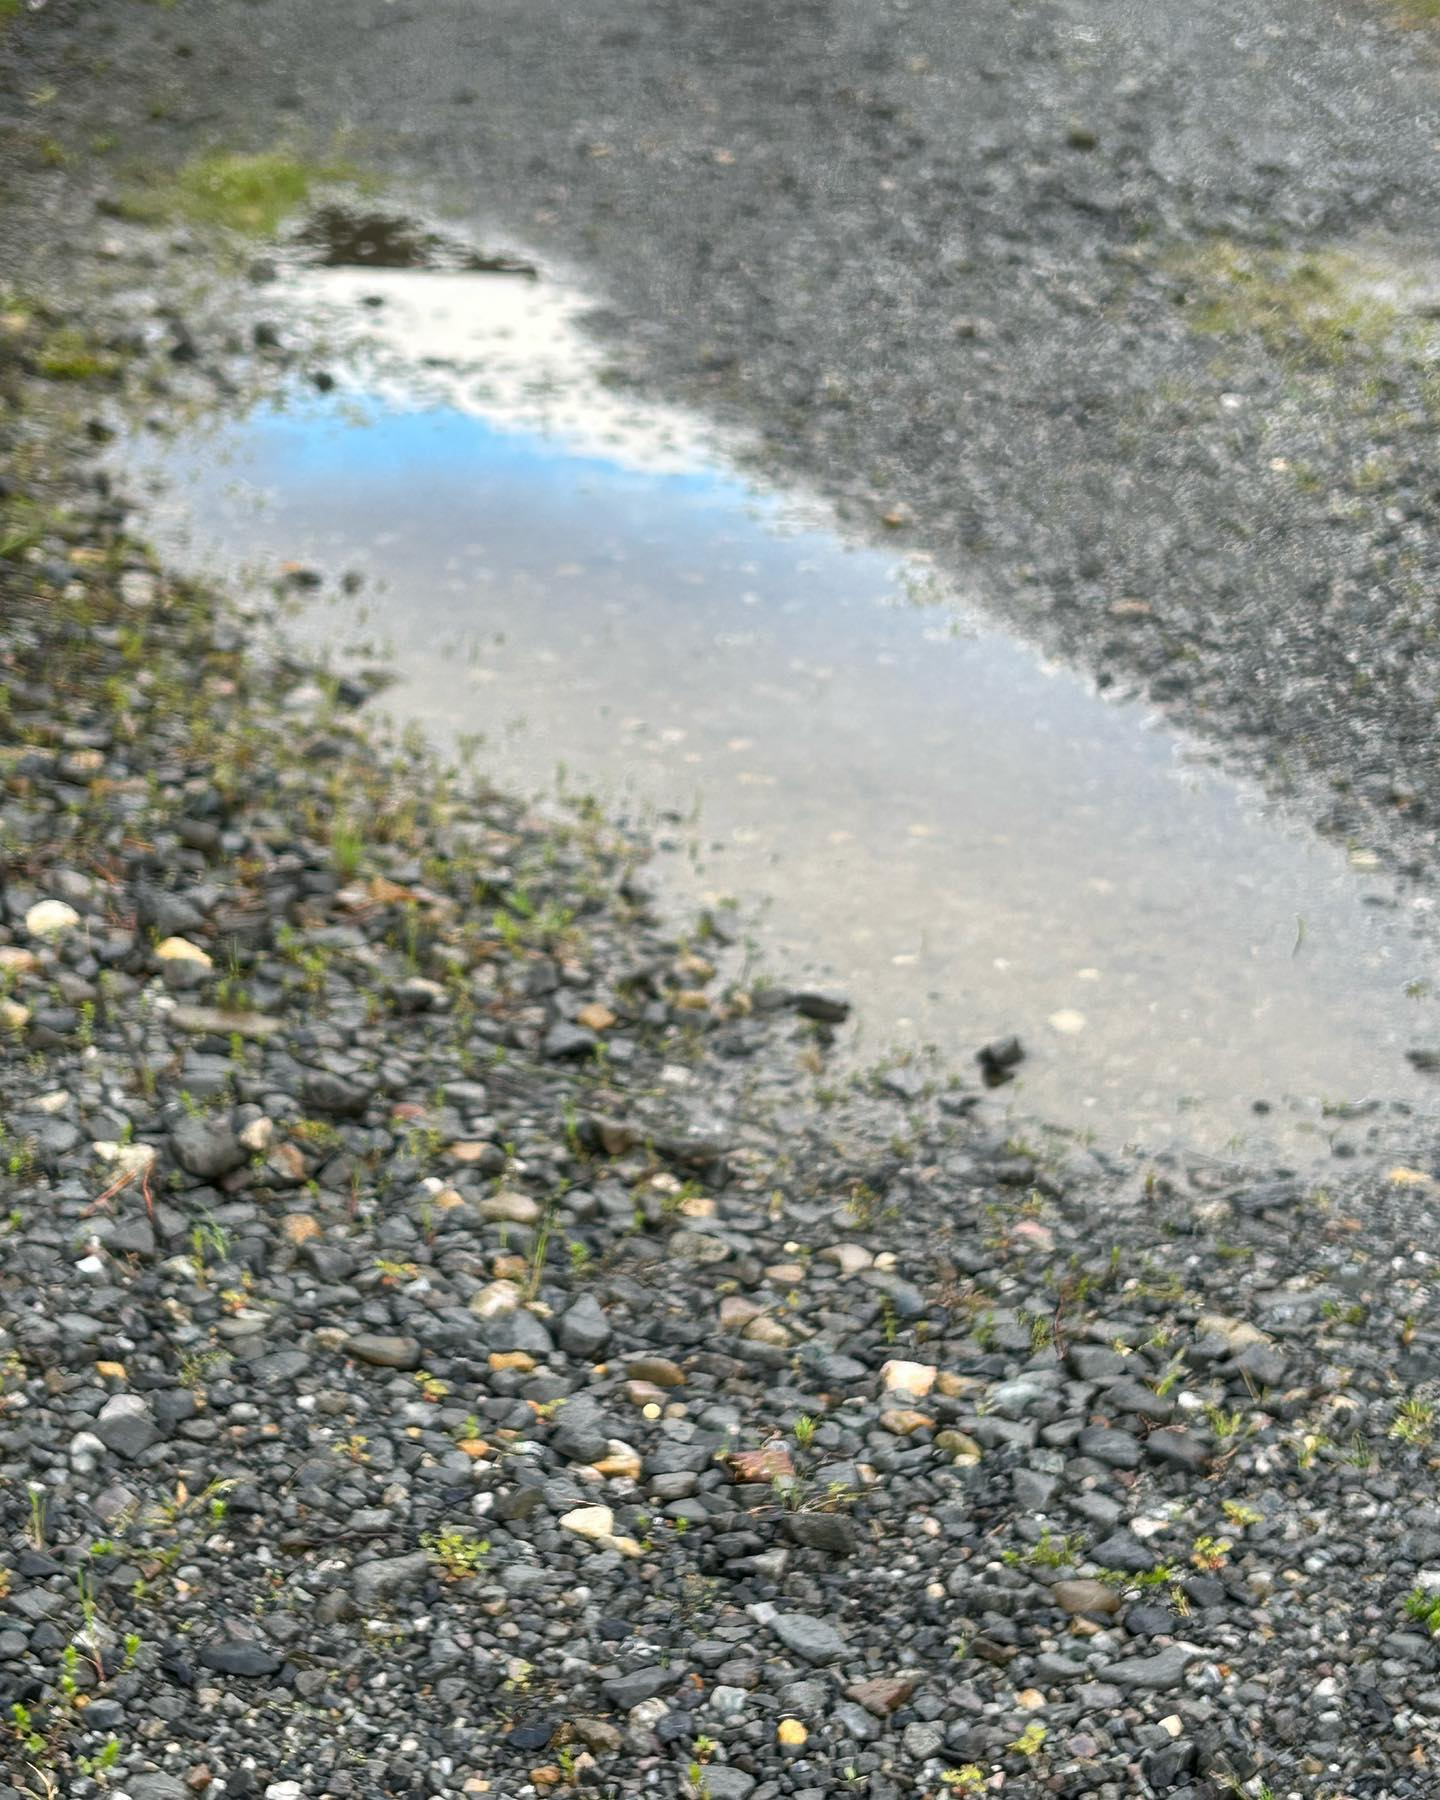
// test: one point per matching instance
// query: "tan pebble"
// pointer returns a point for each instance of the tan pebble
(130, 1159)
(908, 1377)
(1031, 1699)
(179, 949)
(736, 1311)
(1237, 1333)
(643, 1393)
(883, 1694)
(257, 1136)
(904, 1421)
(791, 1733)
(850, 1259)
(692, 1000)
(448, 1199)
(597, 1523)
(595, 1017)
(659, 1370)
(509, 1267)
(619, 1462)
(110, 1371)
(771, 1463)
(507, 1208)
(300, 1228)
(47, 918)
(520, 1360)
(765, 1330)
(787, 1274)
(1085, 1597)
(466, 1151)
(289, 1159)
(495, 1299)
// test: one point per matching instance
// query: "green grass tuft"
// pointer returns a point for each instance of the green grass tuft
(250, 194)
(70, 355)
(1305, 307)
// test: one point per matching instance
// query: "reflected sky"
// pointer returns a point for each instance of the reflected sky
(918, 808)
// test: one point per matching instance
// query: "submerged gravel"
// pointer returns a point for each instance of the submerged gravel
(451, 1345)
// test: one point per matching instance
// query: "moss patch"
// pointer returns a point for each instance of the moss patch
(1416, 12)
(1309, 307)
(251, 194)
(69, 354)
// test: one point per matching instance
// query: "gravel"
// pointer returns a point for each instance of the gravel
(391, 1406)
(400, 1398)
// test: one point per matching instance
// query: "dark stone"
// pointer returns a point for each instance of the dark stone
(831, 1532)
(324, 1091)
(564, 1040)
(829, 1009)
(238, 1656)
(1166, 1766)
(629, 1690)
(1094, 1362)
(1264, 1365)
(385, 1352)
(1178, 1449)
(206, 1147)
(1147, 1619)
(1268, 1196)
(999, 1059)
(584, 1331)
(1117, 1449)
(1122, 1551)
(1156, 1674)
(533, 1736)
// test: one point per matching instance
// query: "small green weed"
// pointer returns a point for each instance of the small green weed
(458, 1552)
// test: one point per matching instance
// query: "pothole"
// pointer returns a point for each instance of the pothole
(898, 797)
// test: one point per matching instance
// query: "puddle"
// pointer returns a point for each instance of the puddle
(966, 839)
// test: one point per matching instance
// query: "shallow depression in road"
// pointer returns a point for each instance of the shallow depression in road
(967, 839)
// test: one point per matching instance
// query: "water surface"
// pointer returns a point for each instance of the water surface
(905, 801)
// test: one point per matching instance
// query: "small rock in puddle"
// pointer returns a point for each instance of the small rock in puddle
(338, 237)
